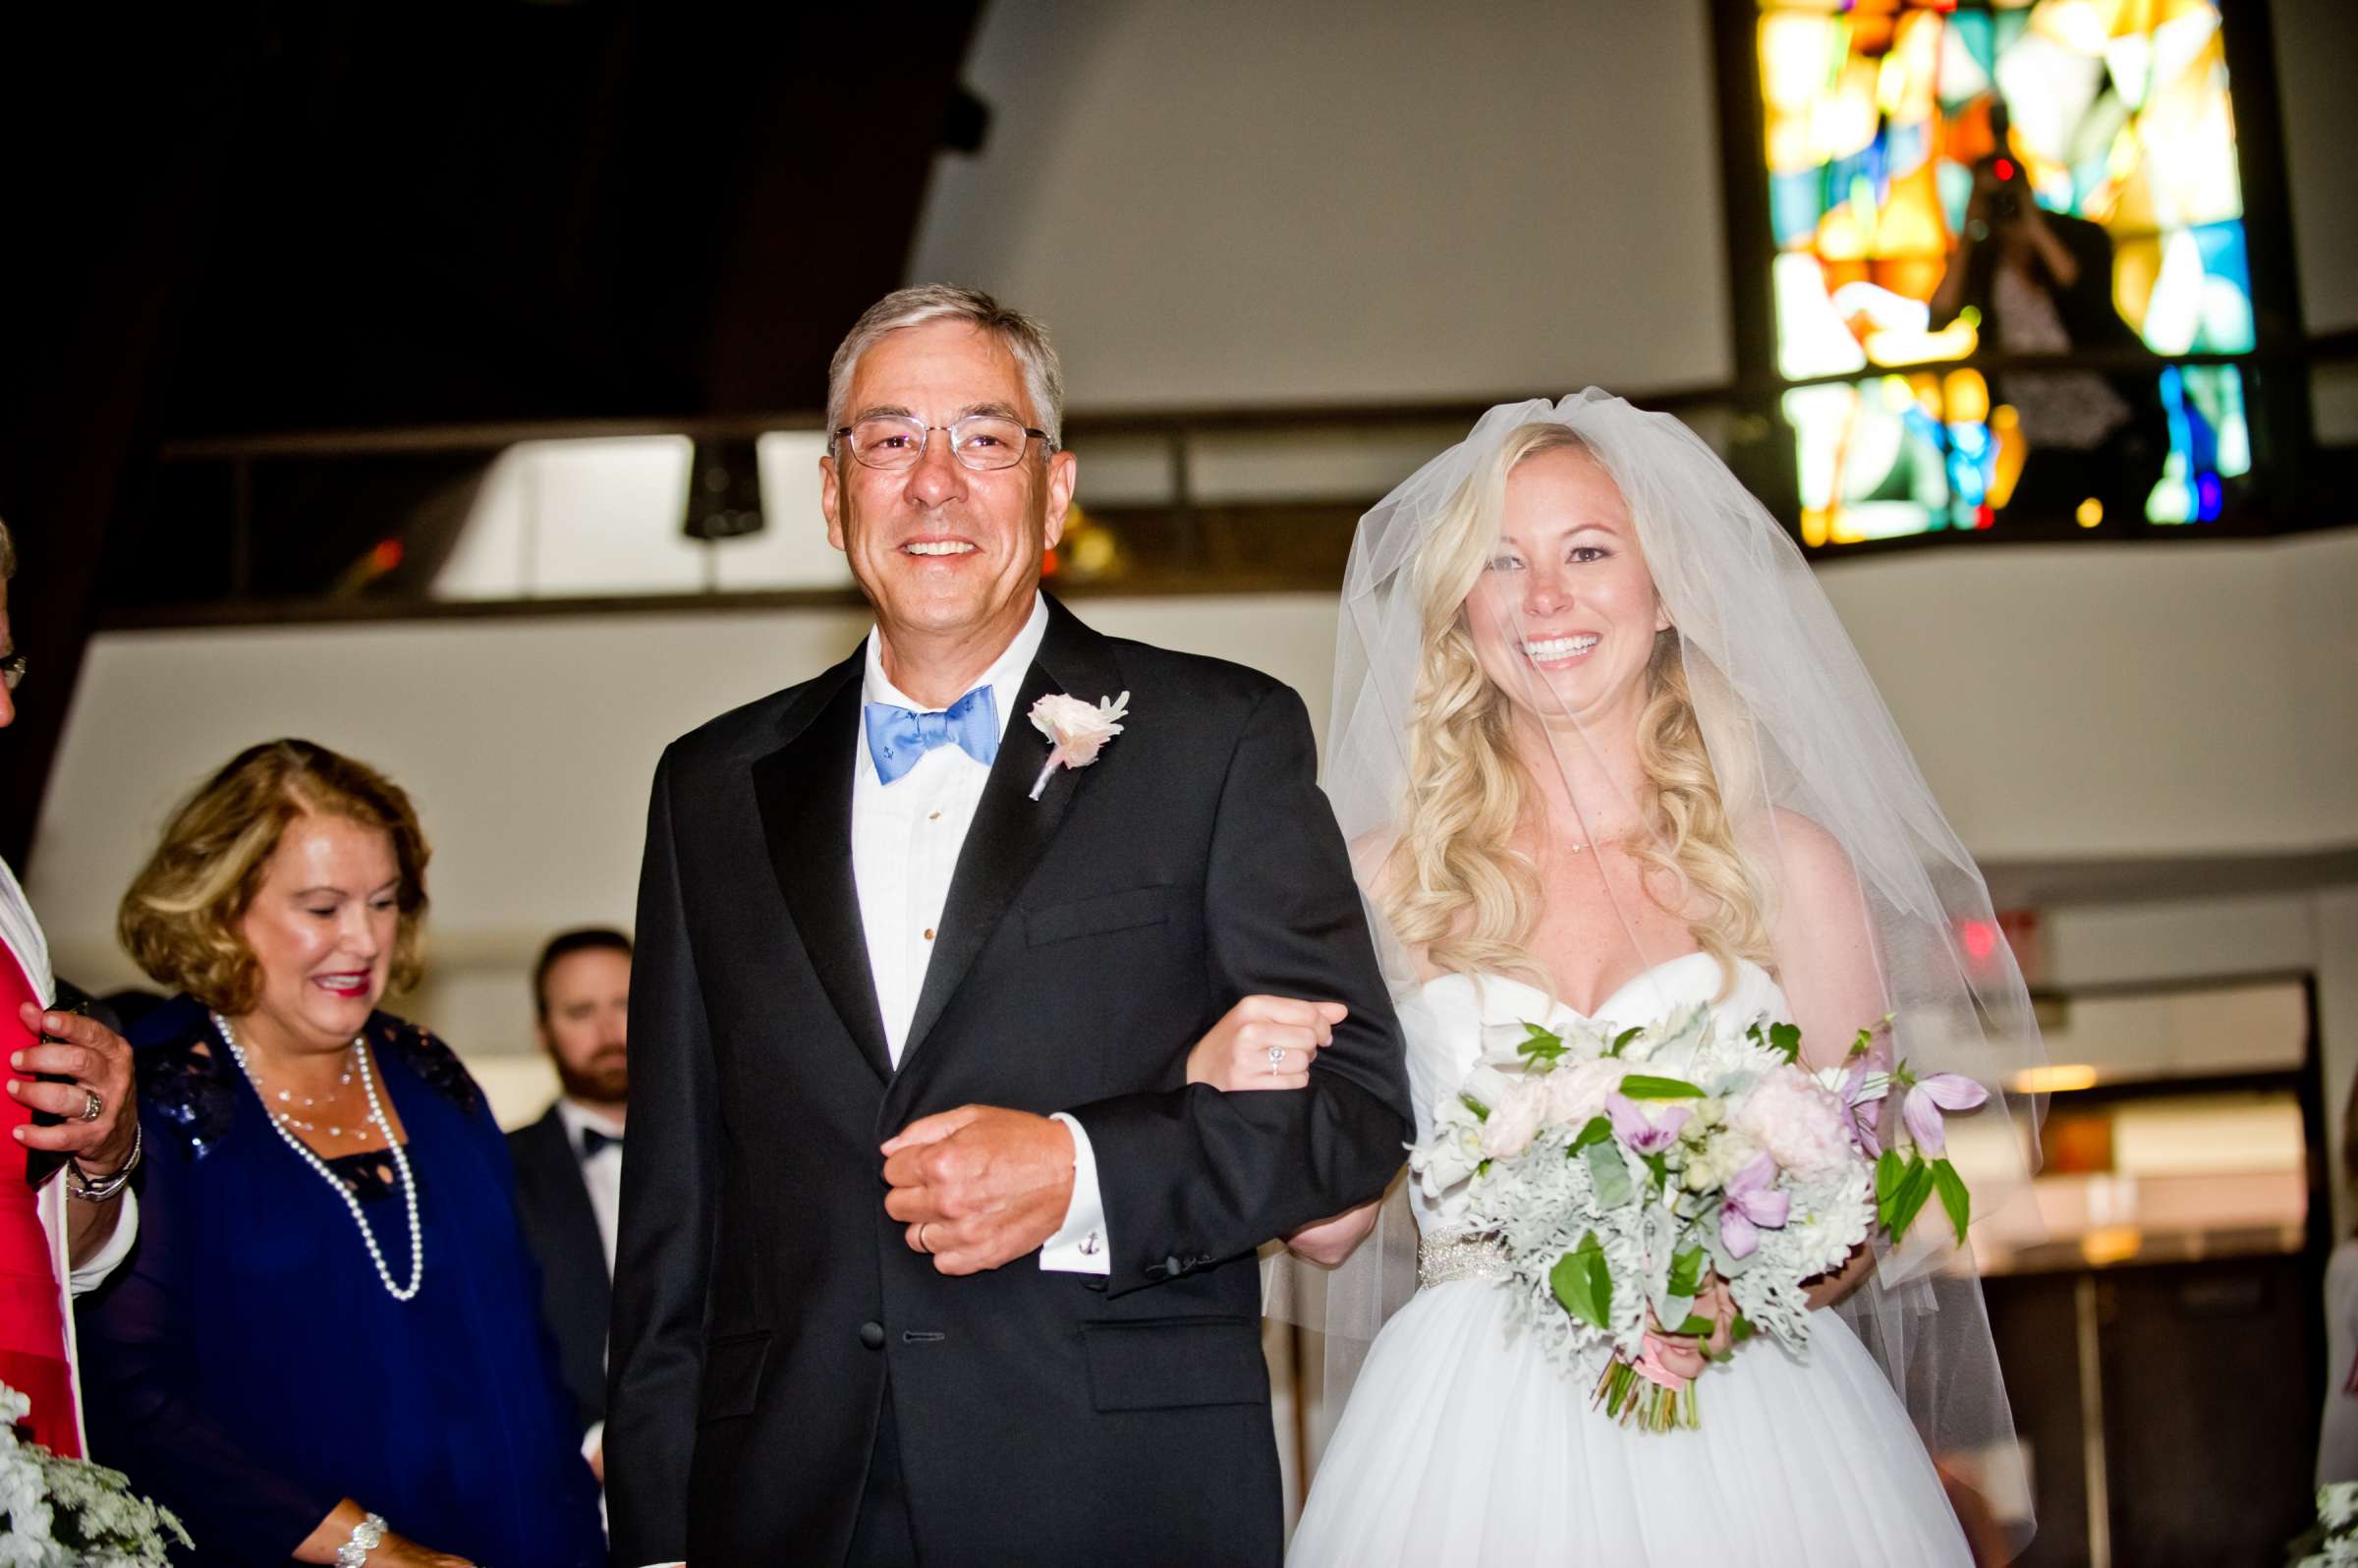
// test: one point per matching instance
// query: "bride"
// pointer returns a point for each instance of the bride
(1604, 751)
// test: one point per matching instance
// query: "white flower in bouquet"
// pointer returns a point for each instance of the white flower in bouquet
(1514, 1119)
(1577, 1091)
(1800, 1124)
(57, 1512)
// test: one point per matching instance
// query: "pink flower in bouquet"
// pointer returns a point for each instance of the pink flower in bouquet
(1799, 1122)
(1752, 1203)
(1076, 729)
(1861, 1105)
(1651, 1366)
(1637, 1133)
(1514, 1120)
(1942, 1091)
(1577, 1093)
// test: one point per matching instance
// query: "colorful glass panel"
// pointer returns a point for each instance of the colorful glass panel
(2113, 118)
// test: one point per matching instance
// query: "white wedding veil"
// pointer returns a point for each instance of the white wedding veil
(1749, 795)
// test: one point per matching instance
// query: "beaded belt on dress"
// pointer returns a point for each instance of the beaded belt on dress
(1467, 1254)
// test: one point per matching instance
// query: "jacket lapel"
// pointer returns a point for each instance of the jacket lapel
(804, 790)
(1011, 831)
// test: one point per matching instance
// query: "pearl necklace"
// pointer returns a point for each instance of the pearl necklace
(401, 1162)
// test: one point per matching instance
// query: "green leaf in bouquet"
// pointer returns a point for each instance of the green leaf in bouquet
(1785, 1040)
(1686, 1272)
(1598, 1130)
(1697, 1326)
(1914, 1188)
(1584, 1283)
(1863, 1044)
(1660, 1165)
(1623, 1039)
(1645, 1086)
(1481, 1113)
(1541, 1046)
(1608, 1172)
(1953, 1195)
(1888, 1171)
(1739, 1330)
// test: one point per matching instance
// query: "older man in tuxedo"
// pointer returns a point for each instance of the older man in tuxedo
(929, 1253)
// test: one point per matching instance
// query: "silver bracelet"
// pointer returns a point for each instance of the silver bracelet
(103, 1189)
(366, 1537)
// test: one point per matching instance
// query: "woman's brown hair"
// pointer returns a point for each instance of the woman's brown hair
(180, 921)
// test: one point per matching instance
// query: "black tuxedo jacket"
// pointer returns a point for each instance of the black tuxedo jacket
(767, 1304)
(561, 1229)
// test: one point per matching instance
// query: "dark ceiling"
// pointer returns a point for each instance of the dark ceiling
(233, 220)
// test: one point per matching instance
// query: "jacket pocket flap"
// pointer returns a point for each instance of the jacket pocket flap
(732, 1376)
(1170, 1362)
(1090, 917)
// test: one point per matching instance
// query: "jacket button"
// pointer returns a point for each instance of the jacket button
(1173, 1266)
(872, 1335)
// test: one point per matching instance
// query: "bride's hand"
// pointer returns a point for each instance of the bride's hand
(1241, 1051)
(1687, 1354)
(1828, 1289)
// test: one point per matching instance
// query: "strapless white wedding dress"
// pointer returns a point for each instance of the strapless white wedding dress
(1463, 1445)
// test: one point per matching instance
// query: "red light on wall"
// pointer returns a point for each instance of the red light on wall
(386, 556)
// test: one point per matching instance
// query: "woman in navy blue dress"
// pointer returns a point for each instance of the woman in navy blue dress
(327, 1348)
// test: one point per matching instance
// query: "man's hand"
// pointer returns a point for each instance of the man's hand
(979, 1185)
(97, 1060)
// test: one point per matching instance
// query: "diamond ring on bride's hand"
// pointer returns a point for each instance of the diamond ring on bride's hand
(1276, 1058)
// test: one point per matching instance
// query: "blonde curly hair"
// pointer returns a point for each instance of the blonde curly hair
(180, 919)
(1453, 884)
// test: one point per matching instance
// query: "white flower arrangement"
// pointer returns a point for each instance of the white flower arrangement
(1683, 1179)
(2335, 1534)
(57, 1512)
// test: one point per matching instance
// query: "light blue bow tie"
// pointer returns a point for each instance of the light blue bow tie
(897, 738)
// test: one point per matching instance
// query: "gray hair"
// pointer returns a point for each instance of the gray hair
(1023, 337)
(8, 554)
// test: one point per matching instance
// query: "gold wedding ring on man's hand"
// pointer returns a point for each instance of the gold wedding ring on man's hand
(923, 1245)
(92, 1107)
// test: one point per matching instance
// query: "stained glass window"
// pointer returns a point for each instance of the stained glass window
(1947, 178)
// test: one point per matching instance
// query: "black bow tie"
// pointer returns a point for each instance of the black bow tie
(593, 1140)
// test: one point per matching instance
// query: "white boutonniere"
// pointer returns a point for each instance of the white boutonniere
(1076, 731)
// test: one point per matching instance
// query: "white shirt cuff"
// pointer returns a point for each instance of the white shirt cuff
(1079, 1244)
(93, 1273)
(593, 1439)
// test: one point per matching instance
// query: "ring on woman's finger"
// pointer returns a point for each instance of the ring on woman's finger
(92, 1107)
(1276, 1059)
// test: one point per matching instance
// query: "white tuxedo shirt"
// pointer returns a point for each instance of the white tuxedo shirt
(906, 836)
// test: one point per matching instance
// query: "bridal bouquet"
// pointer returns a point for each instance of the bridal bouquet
(68, 1513)
(1670, 1177)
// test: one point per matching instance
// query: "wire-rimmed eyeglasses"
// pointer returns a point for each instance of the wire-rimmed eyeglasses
(12, 671)
(982, 441)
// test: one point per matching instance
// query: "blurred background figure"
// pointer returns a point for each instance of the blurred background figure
(2338, 1432)
(72, 1108)
(330, 1323)
(2035, 282)
(569, 1162)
